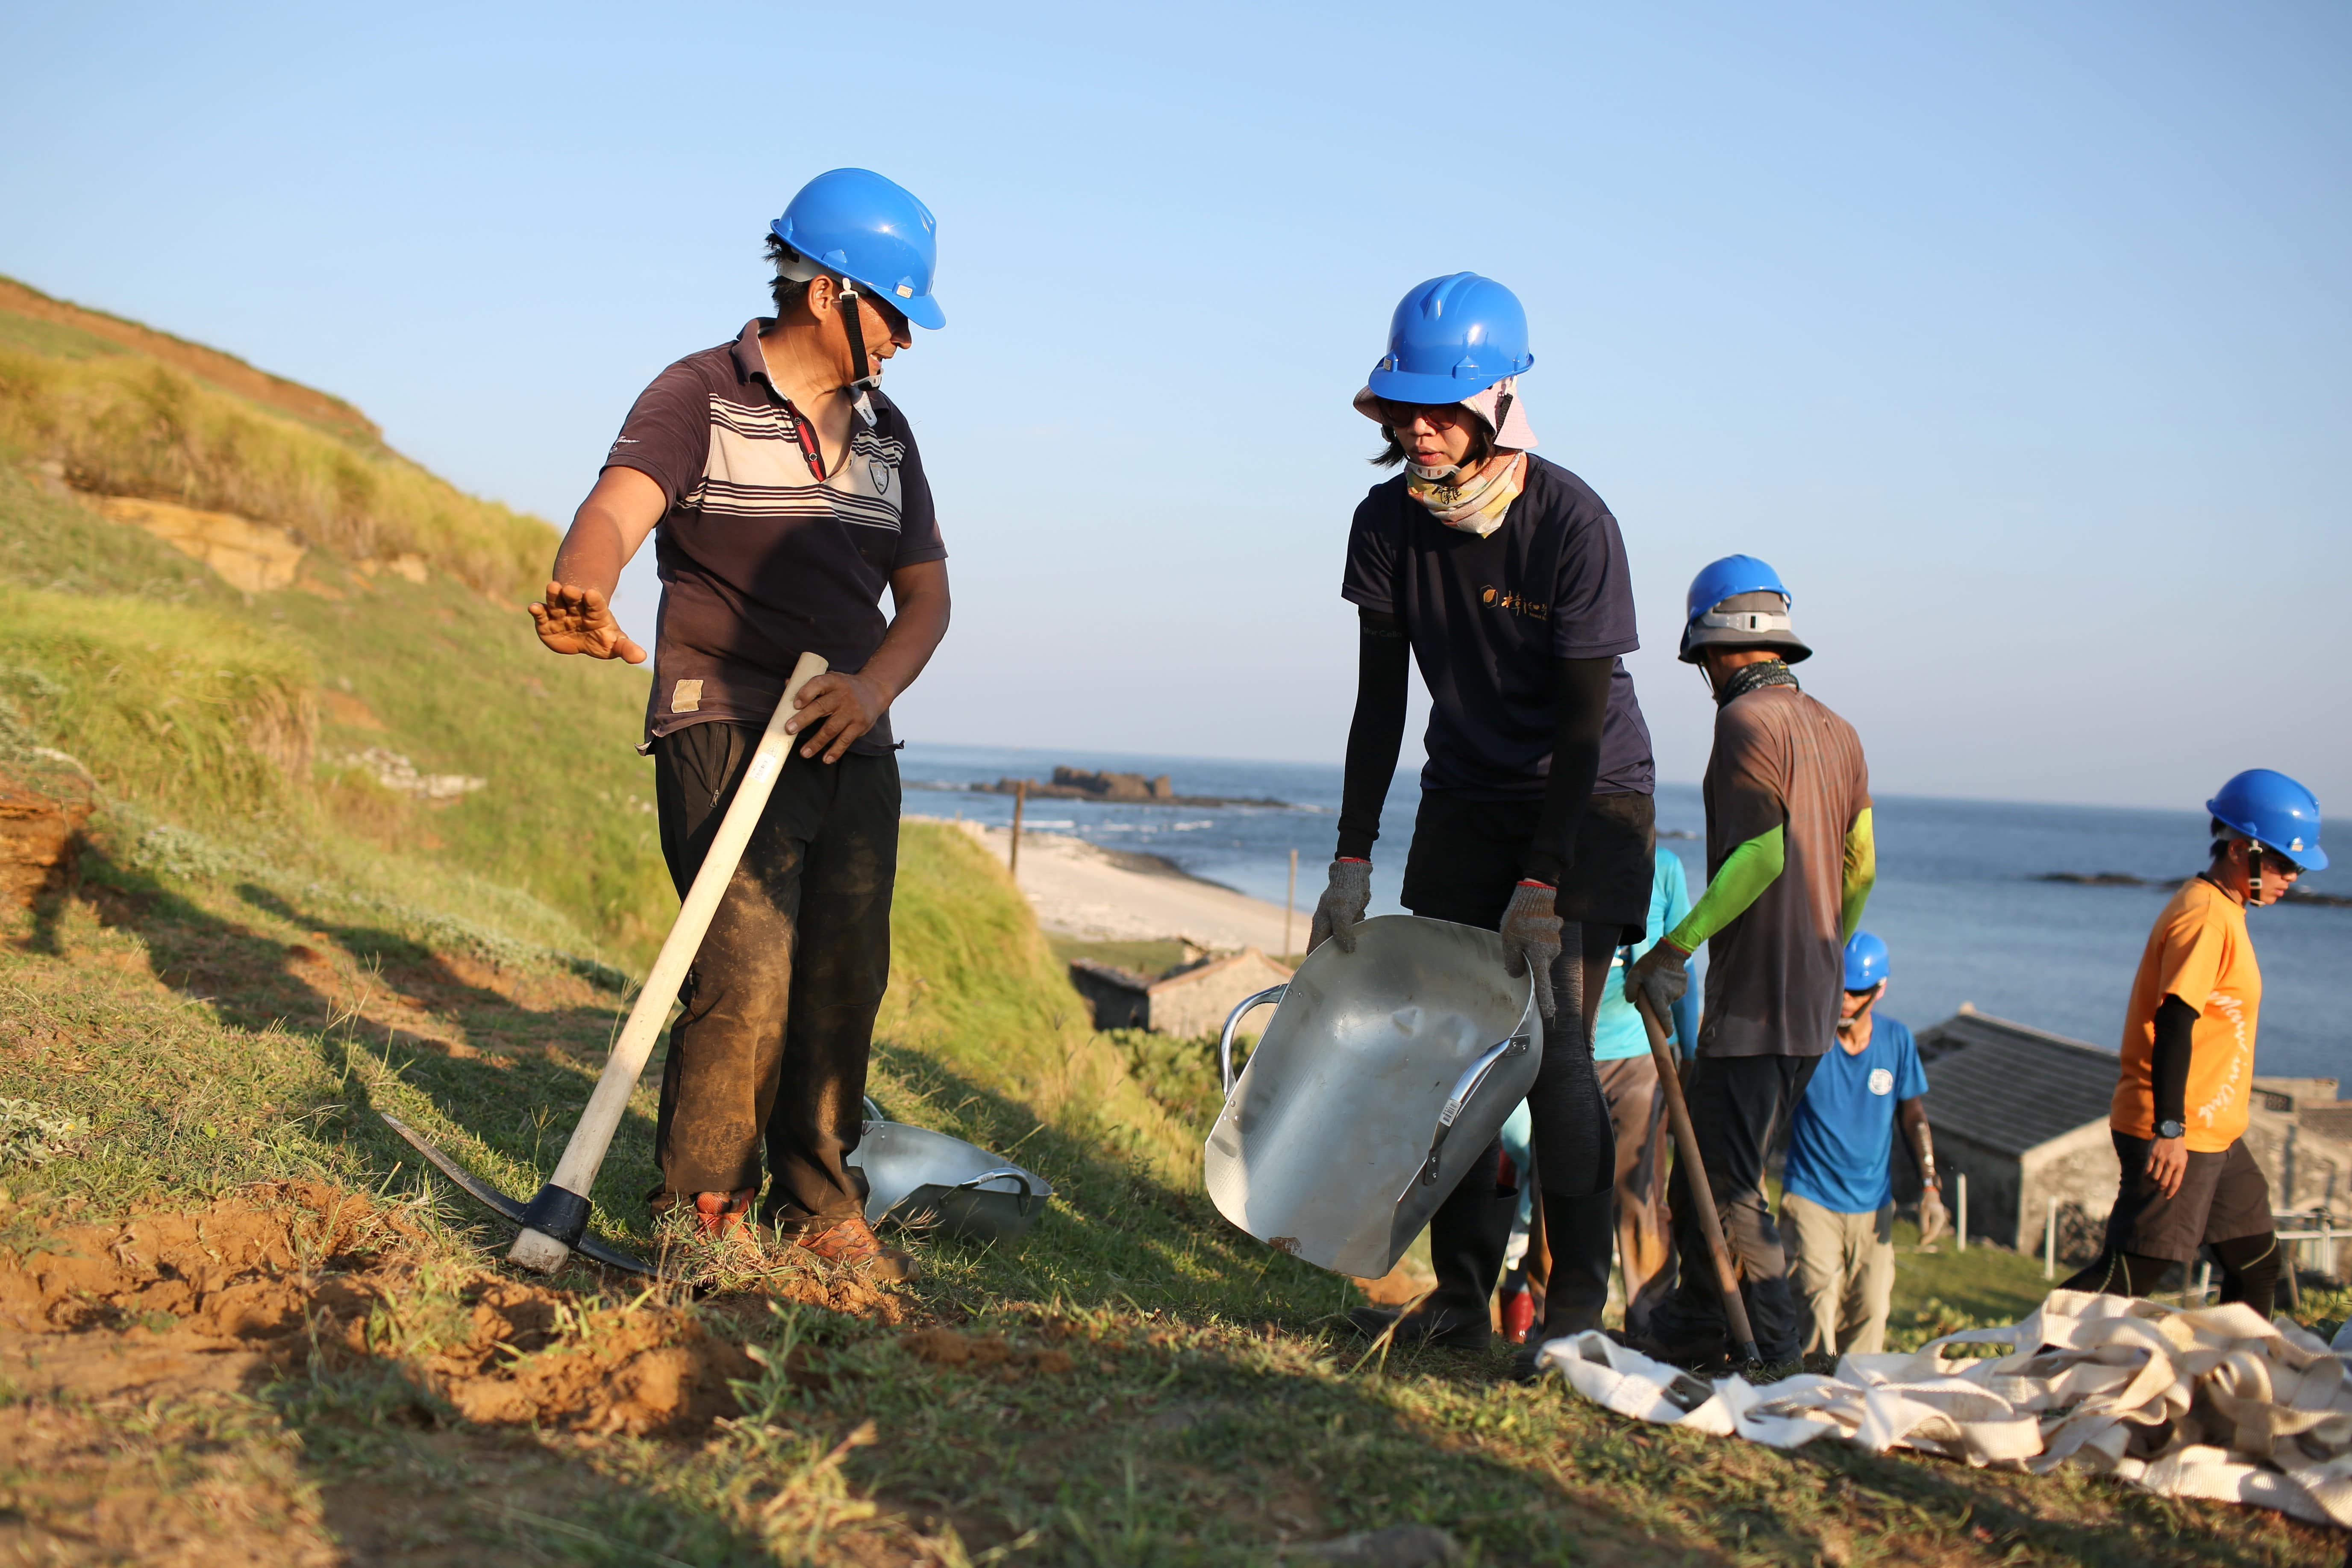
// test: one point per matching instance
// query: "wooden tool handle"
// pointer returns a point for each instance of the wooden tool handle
(1670, 1080)
(585, 1154)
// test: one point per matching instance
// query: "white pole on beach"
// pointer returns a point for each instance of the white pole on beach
(1020, 798)
(1290, 906)
(1960, 1229)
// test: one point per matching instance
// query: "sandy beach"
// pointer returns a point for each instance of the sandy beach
(1100, 894)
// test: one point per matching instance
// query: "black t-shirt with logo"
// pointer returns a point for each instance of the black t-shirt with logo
(760, 560)
(1486, 619)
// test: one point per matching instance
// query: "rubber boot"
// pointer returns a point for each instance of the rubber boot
(1582, 1231)
(1467, 1237)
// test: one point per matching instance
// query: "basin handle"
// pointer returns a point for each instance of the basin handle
(1464, 1087)
(1028, 1193)
(1226, 1041)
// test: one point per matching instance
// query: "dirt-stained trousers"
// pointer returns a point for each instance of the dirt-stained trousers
(779, 1009)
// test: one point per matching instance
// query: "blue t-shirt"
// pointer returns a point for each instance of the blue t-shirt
(1843, 1132)
(1489, 619)
(1618, 1033)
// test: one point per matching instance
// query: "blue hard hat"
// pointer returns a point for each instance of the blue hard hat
(869, 229)
(1452, 338)
(1865, 961)
(1726, 609)
(2274, 812)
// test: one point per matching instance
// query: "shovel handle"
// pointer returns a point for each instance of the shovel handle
(1670, 1079)
(563, 1202)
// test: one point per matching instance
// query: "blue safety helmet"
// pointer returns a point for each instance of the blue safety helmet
(1739, 602)
(869, 230)
(1452, 338)
(1865, 961)
(2274, 812)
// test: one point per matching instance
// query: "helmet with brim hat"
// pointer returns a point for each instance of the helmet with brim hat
(1739, 602)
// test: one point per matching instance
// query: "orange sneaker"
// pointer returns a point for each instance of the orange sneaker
(853, 1244)
(722, 1213)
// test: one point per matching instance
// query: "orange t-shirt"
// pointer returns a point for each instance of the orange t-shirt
(2201, 953)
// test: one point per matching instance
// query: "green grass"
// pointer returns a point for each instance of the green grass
(126, 425)
(257, 960)
(55, 339)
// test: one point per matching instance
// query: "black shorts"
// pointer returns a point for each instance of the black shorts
(2222, 1196)
(1467, 856)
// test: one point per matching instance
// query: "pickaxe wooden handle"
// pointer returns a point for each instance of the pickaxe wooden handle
(1702, 1197)
(558, 1216)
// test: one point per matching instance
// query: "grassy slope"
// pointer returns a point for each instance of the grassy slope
(119, 422)
(256, 961)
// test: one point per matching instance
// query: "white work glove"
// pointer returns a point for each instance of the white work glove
(1531, 939)
(1342, 908)
(1659, 974)
(1932, 1217)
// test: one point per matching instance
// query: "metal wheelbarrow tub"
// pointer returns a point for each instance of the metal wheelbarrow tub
(919, 1178)
(1382, 1075)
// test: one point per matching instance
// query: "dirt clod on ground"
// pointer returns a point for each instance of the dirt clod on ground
(948, 1347)
(650, 1370)
(220, 1299)
(42, 809)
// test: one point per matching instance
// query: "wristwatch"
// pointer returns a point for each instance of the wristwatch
(2170, 1130)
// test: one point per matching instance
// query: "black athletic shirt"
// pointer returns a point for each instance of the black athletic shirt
(1486, 619)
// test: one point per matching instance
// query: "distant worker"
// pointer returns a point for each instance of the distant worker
(2186, 1075)
(787, 494)
(1837, 1202)
(1637, 1110)
(1791, 862)
(1504, 577)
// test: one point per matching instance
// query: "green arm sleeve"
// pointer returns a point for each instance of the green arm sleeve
(1860, 871)
(1746, 871)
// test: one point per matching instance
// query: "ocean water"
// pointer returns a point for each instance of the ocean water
(1958, 901)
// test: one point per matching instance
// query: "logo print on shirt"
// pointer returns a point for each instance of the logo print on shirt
(1881, 1080)
(2233, 1009)
(879, 472)
(1516, 603)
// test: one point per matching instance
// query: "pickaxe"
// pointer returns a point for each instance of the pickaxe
(557, 1218)
(1670, 1080)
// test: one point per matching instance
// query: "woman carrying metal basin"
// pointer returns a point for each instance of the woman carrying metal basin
(1504, 577)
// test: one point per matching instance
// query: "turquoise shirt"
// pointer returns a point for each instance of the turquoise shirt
(1619, 1033)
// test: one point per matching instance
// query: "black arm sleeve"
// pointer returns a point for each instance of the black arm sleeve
(1583, 686)
(2168, 1067)
(1384, 662)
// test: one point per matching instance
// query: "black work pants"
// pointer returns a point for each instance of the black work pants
(1463, 867)
(779, 1009)
(1740, 1107)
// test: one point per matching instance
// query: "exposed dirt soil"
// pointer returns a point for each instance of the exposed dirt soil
(132, 1354)
(42, 810)
(72, 1491)
(173, 1304)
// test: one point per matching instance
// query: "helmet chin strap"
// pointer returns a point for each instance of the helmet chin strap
(2253, 873)
(854, 327)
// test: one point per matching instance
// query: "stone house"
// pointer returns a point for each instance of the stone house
(1190, 1000)
(2023, 1113)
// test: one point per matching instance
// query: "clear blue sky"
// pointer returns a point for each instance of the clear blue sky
(2016, 336)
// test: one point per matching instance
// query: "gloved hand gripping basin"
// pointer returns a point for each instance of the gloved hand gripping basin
(1382, 1077)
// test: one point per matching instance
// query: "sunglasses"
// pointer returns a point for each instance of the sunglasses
(1442, 415)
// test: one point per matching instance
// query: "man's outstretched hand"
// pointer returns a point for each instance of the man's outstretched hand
(578, 620)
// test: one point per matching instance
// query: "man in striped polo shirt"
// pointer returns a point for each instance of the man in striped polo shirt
(784, 493)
